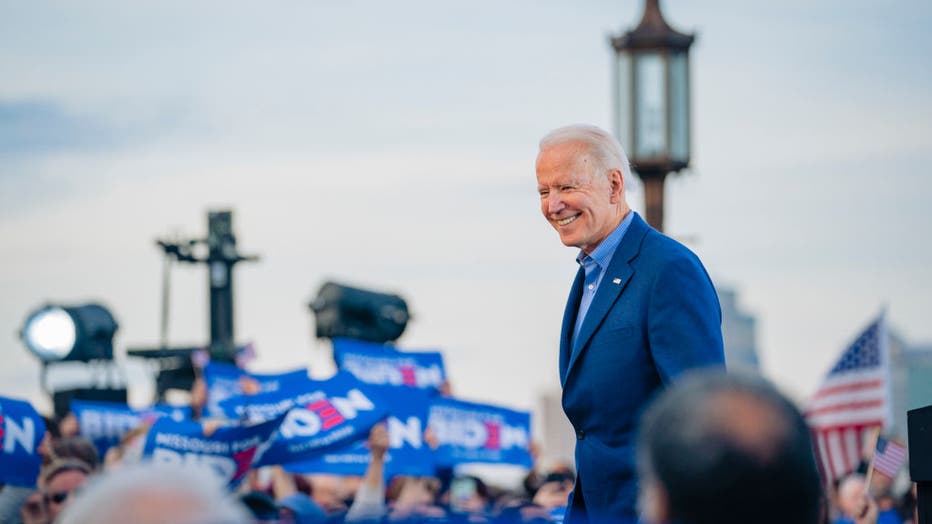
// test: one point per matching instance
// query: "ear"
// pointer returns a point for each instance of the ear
(616, 182)
(653, 503)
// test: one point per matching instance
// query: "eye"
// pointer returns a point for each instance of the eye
(543, 192)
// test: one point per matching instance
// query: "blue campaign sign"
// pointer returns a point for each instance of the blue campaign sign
(319, 416)
(21, 432)
(227, 380)
(105, 423)
(386, 366)
(469, 432)
(231, 450)
(408, 453)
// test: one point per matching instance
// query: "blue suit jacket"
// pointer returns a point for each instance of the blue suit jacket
(654, 316)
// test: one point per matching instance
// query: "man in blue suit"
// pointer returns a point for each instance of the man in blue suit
(641, 311)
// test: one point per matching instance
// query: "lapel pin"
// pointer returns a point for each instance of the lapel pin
(616, 281)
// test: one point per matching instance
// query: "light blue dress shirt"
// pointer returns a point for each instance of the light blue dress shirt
(594, 265)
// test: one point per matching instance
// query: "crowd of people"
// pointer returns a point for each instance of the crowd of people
(663, 434)
(717, 448)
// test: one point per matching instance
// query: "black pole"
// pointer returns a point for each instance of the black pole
(221, 257)
(919, 427)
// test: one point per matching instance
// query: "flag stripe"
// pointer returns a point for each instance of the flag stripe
(848, 406)
(846, 388)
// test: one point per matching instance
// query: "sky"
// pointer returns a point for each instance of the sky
(391, 145)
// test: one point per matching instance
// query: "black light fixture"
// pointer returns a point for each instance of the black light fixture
(652, 113)
(347, 312)
(56, 333)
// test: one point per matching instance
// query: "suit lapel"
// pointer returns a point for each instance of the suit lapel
(613, 282)
(569, 320)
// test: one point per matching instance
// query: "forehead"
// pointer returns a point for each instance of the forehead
(66, 479)
(563, 162)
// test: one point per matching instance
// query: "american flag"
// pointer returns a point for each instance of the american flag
(888, 457)
(852, 401)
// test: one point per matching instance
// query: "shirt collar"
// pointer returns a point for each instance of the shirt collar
(602, 254)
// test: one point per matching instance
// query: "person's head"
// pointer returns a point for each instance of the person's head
(581, 173)
(59, 481)
(851, 491)
(155, 493)
(554, 490)
(78, 448)
(726, 449)
(261, 506)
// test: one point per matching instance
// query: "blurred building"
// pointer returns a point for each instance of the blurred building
(558, 439)
(739, 331)
(911, 375)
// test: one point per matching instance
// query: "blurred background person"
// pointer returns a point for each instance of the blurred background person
(726, 449)
(156, 494)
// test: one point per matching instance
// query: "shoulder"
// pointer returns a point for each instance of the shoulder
(659, 250)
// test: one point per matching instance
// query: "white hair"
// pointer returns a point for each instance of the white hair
(603, 148)
(150, 493)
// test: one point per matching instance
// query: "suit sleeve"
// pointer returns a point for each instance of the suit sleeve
(684, 319)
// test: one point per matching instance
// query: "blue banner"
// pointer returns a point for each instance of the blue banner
(320, 416)
(105, 423)
(384, 365)
(408, 453)
(226, 380)
(469, 432)
(231, 450)
(21, 432)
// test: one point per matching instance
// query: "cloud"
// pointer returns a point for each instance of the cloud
(35, 127)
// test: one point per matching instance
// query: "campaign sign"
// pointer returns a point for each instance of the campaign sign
(408, 453)
(105, 423)
(319, 416)
(231, 450)
(468, 432)
(386, 366)
(226, 380)
(21, 432)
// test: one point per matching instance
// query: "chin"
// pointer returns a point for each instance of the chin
(569, 242)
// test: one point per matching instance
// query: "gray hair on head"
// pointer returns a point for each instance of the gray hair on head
(150, 493)
(603, 148)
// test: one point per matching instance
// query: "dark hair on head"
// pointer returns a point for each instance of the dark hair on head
(730, 449)
(60, 466)
(80, 448)
(51, 426)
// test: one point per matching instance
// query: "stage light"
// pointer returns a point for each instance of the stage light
(57, 333)
(343, 311)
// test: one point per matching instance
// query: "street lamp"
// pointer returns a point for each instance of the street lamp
(652, 103)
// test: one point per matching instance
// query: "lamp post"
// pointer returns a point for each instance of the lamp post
(652, 103)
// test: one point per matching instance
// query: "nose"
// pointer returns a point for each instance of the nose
(554, 203)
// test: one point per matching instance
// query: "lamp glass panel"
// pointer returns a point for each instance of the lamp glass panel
(679, 107)
(623, 115)
(650, 106)
(50, 333)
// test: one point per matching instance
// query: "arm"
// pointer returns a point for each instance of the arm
(369, 503)
(684, 319)
(283, 484)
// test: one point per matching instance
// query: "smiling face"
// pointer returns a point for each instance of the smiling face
(576, 197)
